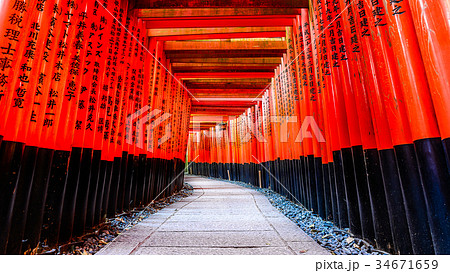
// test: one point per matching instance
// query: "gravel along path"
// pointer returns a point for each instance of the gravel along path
(105, 233)
(338, 241)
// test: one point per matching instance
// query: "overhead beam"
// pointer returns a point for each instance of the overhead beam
(212, 92)
(204, 31)
(223, 70)
(147, 4)
(214, 23)
(203, 118)
(226, 93)
(206, 117)
(225, 45)
(257, 60)
(221, 65)
(205, 123)
(213, 12)
(221, 107)
(260, 86)
(225, 54)
(234, 92)
(194, 123)
(222, 103)
(252, 97)
(237, 108)
(193, 128)
(221, 17)
(229, 81)
(203, 109)
(201, 127)
(221, 75)
(225, 113)
(226, 101)
(244, 35)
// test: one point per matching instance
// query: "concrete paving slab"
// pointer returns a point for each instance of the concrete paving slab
(130, 237)
(215, 218)
(188, 211)
(213, 206)
(212, 251)
(218, 219)
(215, 226)
(282, 222)
(308, 248)
(216, 239)
(118, 248)
(294, 235)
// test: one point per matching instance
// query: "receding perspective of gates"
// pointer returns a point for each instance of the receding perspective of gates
(340, 105)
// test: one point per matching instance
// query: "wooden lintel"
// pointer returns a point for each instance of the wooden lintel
(257, 60)
(225, 45)
(215, 23)
(158, 4)
(242, 35)
(230, 81)
(213, 12)
(204, 31)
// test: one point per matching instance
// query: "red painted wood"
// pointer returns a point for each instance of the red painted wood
(273, 34)
(233, 75)
(221, 4)
(432, 25)
(213, 12)
(219, 23)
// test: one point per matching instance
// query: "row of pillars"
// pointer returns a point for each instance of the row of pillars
(355, 123)
(92, 123)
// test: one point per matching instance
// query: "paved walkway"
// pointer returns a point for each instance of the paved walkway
(219, 218)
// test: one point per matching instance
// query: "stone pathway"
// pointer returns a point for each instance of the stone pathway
(218, 219)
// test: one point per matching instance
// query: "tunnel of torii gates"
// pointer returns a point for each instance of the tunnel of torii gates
(342, 106)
